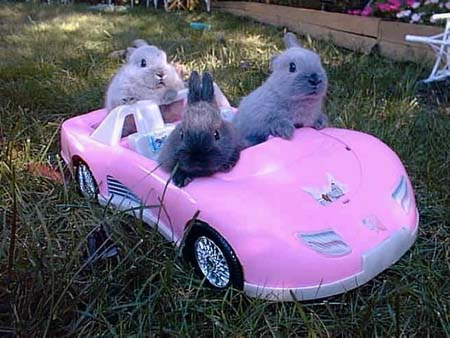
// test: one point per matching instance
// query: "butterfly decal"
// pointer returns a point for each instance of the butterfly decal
(328, 194)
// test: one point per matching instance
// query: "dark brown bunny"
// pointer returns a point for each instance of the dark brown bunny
(203, 143)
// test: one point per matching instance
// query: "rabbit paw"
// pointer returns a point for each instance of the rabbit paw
(232, 162)
(227, 167)
(181, 179)
(181, 70)
(169, 96)
(283, 128)
(321, 122)
(129, 100)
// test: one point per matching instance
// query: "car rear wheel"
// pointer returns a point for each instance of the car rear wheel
(86, 181)
(213, 258)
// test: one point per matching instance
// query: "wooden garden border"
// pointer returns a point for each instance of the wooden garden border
(352, 32)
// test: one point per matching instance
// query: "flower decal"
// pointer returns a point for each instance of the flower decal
(373, 223)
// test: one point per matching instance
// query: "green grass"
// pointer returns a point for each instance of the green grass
(54, 64)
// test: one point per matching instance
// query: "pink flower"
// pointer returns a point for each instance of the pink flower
(447, 5)
(367, 11)
(396, 3)
(389, 6)
(354, 12)
(383, 7)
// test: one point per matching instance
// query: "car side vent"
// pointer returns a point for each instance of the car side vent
(117, 188)
(326, 242)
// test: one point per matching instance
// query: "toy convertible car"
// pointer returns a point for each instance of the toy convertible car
(302, 219)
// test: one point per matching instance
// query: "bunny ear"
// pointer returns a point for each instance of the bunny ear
(139, 43)
(272, 61)
(195, 88)
(129, 51)
(290, 40)
(207, 88)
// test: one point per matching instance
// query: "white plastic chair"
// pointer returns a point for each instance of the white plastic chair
(439, 43)
(166, 4)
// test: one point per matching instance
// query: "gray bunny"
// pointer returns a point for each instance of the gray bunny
(292, 97)
(145, 76)
(202, 143)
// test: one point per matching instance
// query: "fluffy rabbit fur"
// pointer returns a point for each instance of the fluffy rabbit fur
(292, 96)
(146, 75)
(202, 143)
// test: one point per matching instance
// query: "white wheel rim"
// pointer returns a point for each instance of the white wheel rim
(212, 262)
(86, 182)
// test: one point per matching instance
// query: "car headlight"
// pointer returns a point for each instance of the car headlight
(402, 194)
(326, 242)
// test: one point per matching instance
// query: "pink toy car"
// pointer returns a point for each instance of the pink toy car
(302, 219)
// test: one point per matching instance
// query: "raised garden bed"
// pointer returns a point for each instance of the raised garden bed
(352, 32)
(341, 6)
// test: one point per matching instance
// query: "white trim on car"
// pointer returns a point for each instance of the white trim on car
(374, 262)
(139, 211)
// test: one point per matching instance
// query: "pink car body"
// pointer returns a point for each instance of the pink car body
(307, 218)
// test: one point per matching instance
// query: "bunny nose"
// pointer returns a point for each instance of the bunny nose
(160, 75)
(314, 79)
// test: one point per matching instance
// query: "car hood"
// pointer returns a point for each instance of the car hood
(292, 181)
(285, 201)
(283, 160)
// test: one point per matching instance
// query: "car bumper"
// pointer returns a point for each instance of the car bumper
(374, 262)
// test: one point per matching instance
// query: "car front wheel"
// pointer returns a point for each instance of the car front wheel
(86, 181)
(213, 258)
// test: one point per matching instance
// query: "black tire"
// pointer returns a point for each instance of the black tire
(200, 244)
(87, 186)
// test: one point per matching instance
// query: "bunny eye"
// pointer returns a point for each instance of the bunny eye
(181, 134)
(292, 67)
(143, 63)
(216, 135)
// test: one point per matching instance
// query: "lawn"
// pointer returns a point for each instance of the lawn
(54, 64)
